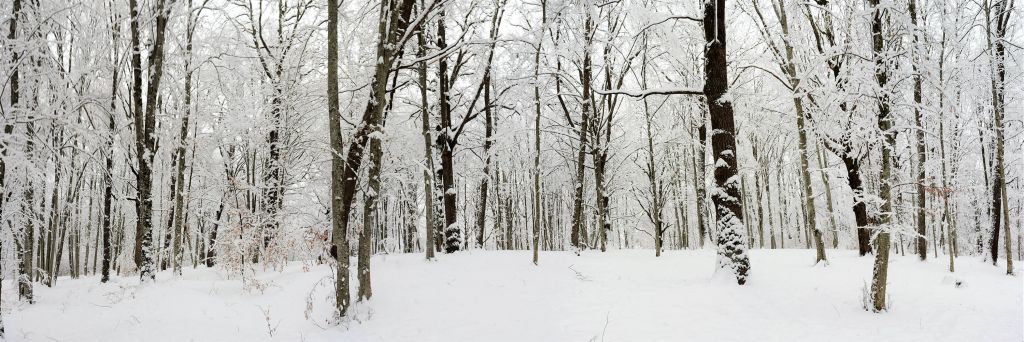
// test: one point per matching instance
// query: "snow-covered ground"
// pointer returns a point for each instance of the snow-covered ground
(501, 296)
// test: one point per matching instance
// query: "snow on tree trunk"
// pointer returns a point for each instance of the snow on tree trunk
(731, 242)
(880, 273)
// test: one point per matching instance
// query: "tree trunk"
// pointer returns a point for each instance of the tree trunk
(392, 26)
(145, 134)
(823, 164)
(428, 151)
(536, 136)
(881, 268)
(180, 153)
(699, 177)
(108, 178)
(452, 237)
(922, 242)
(577, 235)
(23, 246)
(339, 214)
(370, 210)
(732, 251)
(999, 197)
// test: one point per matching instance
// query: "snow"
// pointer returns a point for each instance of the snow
(500, 296)
(653, 91)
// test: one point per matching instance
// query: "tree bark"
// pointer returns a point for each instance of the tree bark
(109, 175)
(922, 242)
(179, 192)
(577, 237)
(452, 234)
(393, 23)
(1000, 203)
(881, 266)
(145, 134)
(428, 151)
(536, 136)
(339, 224)
(732, 251)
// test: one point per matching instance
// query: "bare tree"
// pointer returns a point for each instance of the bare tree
(731, 242)
(881, 267)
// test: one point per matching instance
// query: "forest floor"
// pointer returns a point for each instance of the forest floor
(501, 296)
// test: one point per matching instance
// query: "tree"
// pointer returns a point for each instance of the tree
(536, 136)
(786, 61)
(844, 145)
(339, 223)
(394, 22)
(428, 148)
(732, 250)
(881, 266)
(179, 191)
(922, 243)
(108, 181)
(578, 236)
(145, 129)
(997, 20)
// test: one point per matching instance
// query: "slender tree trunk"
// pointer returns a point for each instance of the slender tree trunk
(108, 178)
(452, 237)
(999, 197)
(536, 136)
(339, 217)
(922, 242)
(577, 235)
(23, 246)
(370, 210)
(179, 193)
(805, 174)
(428, 151)
(392, 26)
(881, 267)
(823, 164)
(698, 184)
(481, 215)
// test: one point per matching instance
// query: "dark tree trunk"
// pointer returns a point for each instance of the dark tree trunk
(731, 242)
(577, 235)
(922, 242)
(145, 135)
(452, 236)
(109, 175)
(392, 26)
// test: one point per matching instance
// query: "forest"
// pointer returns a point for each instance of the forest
(511, 170)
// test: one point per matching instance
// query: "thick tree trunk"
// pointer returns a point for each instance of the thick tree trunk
(732, 251)
(145, 134)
